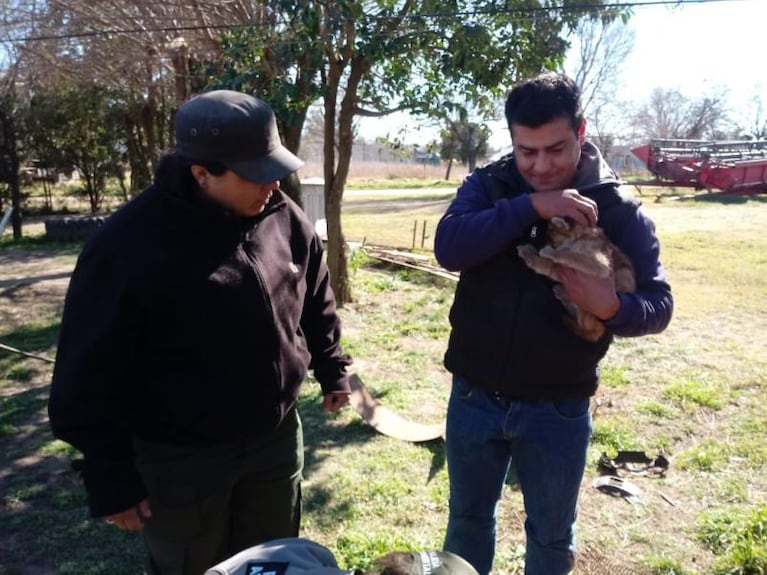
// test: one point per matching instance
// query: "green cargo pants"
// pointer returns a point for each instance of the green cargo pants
(209, 503)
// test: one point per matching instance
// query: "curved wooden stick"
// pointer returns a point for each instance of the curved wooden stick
(385, 421)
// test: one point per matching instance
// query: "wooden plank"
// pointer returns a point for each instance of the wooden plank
(430, 269)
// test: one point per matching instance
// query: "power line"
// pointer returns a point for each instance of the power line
(434, 15)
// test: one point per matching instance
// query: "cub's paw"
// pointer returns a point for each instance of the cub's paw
(527, 252)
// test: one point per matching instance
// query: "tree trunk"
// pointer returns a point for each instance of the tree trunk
(90, 186)
(9, 137)
(472, 160)
(334, 192)
(180, 60)
(336, 256)
(47, 192)
(291, 137)
(140, 173)
(449, 169)
(16, 203)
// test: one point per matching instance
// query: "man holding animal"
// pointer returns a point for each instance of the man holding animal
(522, 377)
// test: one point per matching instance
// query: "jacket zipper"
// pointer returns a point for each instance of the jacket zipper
(267, 301)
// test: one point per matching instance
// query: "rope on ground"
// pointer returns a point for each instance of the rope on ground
(10, 349)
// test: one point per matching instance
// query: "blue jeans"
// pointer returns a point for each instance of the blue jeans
(547, 443)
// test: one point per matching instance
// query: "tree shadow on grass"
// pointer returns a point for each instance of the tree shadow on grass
(30, 337)
(728, 199)
(438, 458)
(321, 436)
(32, 247)
(321, 431)
(11, 285)
(44, 522)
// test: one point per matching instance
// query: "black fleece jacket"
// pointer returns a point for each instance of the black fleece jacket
(187, 325)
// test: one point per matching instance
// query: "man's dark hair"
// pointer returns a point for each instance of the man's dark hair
(174, 171)
(543, 98)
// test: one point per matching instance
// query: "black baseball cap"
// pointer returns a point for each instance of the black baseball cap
(237, 130)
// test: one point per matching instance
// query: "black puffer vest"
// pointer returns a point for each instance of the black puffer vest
(508, 334)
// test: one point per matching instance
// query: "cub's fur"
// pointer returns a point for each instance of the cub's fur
(586, 249)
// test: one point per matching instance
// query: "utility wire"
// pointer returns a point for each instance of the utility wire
(434, 15)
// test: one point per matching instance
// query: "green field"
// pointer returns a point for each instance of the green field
(695, 393)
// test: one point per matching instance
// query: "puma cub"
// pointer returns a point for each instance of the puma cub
(588, 250)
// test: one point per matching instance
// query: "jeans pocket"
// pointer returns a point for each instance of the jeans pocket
(461, 389)
(571, 408)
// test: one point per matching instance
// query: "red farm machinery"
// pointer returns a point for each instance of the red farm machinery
(732, 167)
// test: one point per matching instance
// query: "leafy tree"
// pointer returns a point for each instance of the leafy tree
(448, 150)
(279, 59)
(152, 53)
(465, 141)
(82, 127)
(9, 152)
(373, 57)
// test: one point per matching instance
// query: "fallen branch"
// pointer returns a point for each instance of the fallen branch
(409, 260)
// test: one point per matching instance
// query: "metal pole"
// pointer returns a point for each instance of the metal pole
(6, 219)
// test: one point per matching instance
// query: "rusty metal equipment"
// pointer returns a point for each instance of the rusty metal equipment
(732, 167)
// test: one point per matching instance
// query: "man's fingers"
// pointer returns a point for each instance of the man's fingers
(585, 215)
(587, 210)
(132, 519)
(566, 203)
(582, 211)
(135, 523)
(334, 401)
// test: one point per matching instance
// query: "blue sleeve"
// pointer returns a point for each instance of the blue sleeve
(475, 229)
(649, 308)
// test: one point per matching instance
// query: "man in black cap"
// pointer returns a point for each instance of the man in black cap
(297, 556)
(192, 317)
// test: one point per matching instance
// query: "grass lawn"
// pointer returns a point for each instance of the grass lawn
(695, 393)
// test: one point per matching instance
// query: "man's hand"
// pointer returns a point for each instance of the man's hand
(332, 402)
(565, 204)
(132, 519)
(591, 293)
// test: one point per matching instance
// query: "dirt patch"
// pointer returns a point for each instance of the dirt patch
(32, 286)
(716, 342)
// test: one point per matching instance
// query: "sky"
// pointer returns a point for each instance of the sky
(698, 49)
